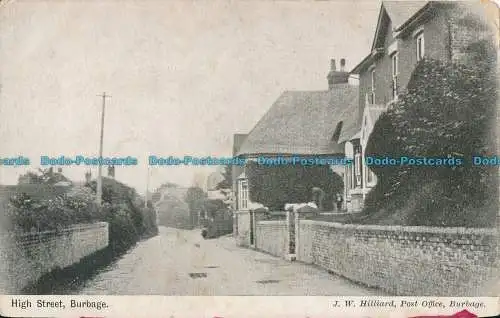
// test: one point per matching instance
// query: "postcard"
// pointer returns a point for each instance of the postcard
(249, 159)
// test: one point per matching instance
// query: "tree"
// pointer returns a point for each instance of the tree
(44, 176)
(194, 198)
(169, 185)
(227, 182)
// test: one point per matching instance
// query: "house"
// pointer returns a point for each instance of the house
(299, 123)
(406, 32)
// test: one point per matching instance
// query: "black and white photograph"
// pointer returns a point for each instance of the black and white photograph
(249, 148)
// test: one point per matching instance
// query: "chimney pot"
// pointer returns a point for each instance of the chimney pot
(332, 65)
(342, 65)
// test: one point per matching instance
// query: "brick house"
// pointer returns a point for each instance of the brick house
(406, 32)
(299, 123)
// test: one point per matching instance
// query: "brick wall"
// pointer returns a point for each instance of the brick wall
(419, 261)
(24, 259)
(469, 23)
(272, 237)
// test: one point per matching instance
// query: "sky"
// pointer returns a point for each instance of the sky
(183, 76)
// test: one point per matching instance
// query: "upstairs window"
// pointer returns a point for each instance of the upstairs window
(395, 72)
(420, 44)
(372, 96)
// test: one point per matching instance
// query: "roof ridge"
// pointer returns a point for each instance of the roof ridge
(259, 121)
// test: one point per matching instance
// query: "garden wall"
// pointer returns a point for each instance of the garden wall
(420, 261)
(243, 228)
(24, 259)
(271, 237)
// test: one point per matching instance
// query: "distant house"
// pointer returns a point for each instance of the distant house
(299, 123)
(213, 180)
(406, 32)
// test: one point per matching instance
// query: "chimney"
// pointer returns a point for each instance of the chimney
(337, 77)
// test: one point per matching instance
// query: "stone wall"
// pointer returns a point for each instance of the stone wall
(421, 261)
(24, 259)
(272, 237)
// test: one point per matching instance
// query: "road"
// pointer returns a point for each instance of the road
(181, 263)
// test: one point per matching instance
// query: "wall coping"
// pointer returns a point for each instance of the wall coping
(73, 228)
(412, 229)
(272, 222)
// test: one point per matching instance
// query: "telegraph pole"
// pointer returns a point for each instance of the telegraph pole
(99, 174)
(147, 189)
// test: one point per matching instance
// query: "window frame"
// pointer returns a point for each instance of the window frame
(243, 194)
(420, 49)
(395, 72)
(357, 168)
(373, 81)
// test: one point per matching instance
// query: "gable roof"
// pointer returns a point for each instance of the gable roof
(400, 13)
(238, 140)
(304, 122)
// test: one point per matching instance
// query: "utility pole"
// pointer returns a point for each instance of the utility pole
(99, 174)
(147, 189)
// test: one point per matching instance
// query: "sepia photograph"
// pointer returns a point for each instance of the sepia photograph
(249, 148)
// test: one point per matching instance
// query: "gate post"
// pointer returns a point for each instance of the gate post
(297, 234)
(291, 237)
(258, 215)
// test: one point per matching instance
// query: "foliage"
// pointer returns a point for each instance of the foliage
(169, 185)
(274, 186)
(194, 198)
(219, 218)
(28, 214)
(455, 119)
(213, 206)
(227, 182)
(123, 209)
(44, 176)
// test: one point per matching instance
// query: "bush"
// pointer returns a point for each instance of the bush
(274, 186)
(456, 117)
(122, 232)
(128, 220)
(27, 214)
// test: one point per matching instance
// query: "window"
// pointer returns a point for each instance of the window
(420, 46)
(357, 168)
(369, 175)
(394, 63)
(336, 134)
(243, 195)
(349, 177)
(372, 97)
